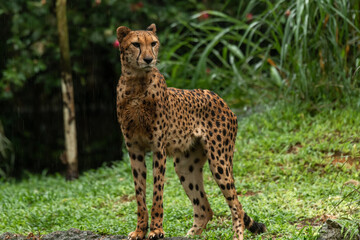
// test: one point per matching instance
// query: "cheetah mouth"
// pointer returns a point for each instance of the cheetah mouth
(147, 68)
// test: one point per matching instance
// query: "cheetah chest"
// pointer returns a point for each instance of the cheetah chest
(137, 115)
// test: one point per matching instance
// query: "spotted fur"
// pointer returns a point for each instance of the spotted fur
(191, 125)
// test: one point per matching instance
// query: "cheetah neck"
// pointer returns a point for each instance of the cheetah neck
(133, 77)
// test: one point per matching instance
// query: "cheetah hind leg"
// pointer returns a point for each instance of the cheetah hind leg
(188, 166)
(221, 169)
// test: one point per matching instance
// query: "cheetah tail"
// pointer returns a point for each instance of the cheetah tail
(254, 227)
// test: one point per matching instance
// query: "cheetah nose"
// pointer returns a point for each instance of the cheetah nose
(148, 60)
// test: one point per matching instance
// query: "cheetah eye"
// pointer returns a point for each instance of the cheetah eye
(136, 44)
(153, 44)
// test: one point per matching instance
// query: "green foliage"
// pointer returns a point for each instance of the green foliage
(306, 50)
(248, 51)
(32, 52)
(32, 43)
(284, 171)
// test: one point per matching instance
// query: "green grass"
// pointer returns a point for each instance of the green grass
(282, 169)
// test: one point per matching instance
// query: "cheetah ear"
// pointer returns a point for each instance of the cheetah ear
(121, 32)
(152, 28)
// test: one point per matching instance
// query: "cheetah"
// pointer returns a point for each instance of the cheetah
(191, 125)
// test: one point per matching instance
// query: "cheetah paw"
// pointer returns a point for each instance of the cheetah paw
(194, 231)
(240, 237)
(156, 234)
(136, 235)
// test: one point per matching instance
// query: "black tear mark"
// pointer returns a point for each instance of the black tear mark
(137, 59)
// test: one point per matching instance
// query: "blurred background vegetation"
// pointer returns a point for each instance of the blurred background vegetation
(249, 52)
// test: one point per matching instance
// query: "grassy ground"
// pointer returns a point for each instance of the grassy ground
(292, 170)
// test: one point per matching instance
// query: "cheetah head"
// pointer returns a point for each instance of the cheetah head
(138, 49)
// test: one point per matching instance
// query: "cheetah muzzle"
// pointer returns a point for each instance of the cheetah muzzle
(191, 125)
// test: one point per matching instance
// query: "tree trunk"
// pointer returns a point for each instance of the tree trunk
(70, 155)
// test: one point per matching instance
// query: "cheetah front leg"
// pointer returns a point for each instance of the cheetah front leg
(188, 167)
(159, 166)
(138, 167)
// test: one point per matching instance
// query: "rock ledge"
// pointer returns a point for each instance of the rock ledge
(73, 234)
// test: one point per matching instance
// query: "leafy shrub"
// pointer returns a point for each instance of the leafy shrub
(303, 49)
